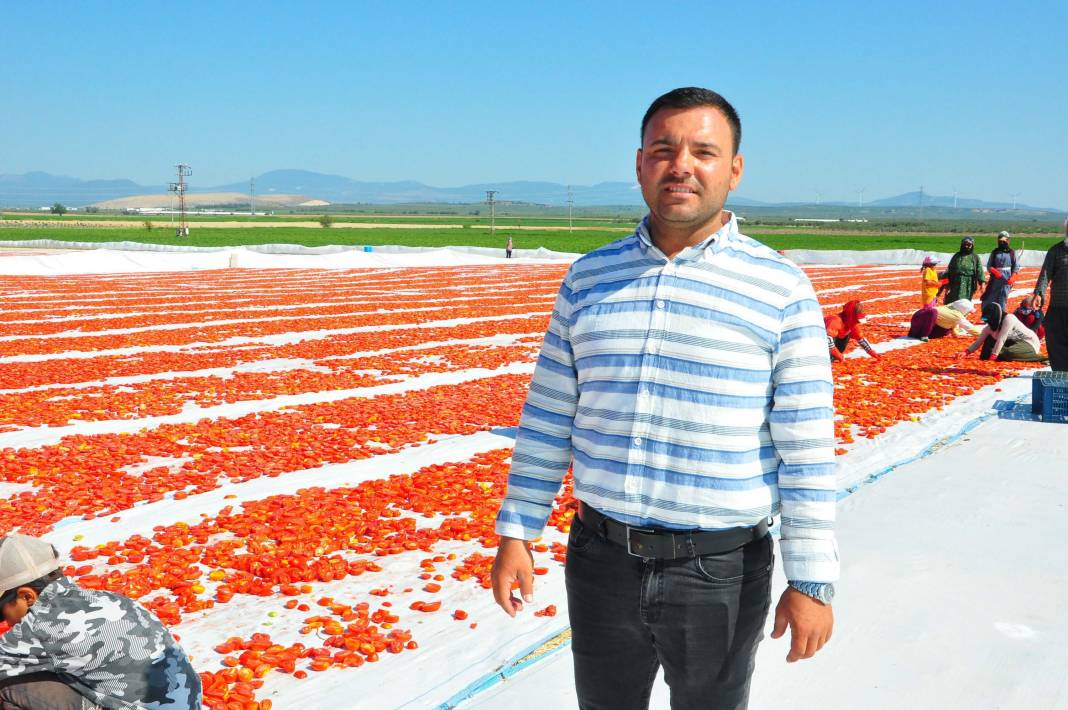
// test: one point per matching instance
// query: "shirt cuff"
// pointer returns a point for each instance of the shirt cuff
(521, 519)
(810, 559)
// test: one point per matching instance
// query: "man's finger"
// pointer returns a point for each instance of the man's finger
(780, 624)
(526, 586)
(798, 647)
(502, 594)
(502, 590)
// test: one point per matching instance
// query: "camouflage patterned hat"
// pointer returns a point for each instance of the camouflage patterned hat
(24, 559)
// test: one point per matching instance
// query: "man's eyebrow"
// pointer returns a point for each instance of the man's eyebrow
(666, 140)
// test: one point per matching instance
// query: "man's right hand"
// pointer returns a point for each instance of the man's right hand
(514, 563)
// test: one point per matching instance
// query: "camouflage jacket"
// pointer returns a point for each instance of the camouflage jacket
(107, 647)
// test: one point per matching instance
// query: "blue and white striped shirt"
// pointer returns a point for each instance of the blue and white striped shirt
(692, 392)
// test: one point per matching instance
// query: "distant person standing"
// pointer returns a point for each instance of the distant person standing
(1055, 272)
(929, 281)
(1002, 267)
(965, 272)
(508, 248)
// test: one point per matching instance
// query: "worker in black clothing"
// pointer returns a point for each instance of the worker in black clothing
(1055, 275)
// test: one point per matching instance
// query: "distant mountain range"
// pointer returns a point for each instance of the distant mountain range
(36, 189)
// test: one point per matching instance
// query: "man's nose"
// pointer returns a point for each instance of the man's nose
(681, 163)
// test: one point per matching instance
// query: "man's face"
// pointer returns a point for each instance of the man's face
(686, 165)
(15, 607)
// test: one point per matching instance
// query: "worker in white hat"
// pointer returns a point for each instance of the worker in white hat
(80, 649)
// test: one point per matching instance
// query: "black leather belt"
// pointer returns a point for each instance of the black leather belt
(669, 544)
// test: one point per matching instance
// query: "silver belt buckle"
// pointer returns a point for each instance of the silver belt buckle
(629, 550)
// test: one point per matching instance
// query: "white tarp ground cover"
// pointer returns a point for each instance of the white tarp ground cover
(952, 578)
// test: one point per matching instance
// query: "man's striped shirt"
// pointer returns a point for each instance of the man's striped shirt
(687, 393)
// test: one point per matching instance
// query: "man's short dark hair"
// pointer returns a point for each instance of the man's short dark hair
(694, 97)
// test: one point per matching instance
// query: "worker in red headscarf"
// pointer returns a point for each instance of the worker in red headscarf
(845, 326)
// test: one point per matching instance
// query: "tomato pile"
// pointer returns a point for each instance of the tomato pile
(311, 349)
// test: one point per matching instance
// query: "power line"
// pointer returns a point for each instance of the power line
(490, 195)
(570, 204)
(179, 188)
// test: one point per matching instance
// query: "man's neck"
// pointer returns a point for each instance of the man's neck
(671, 240)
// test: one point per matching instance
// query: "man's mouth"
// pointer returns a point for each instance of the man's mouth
(680, 190)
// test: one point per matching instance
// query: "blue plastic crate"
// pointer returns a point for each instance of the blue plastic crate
(1055, 402)
(1049, 406)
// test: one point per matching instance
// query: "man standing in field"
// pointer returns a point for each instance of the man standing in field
(685, 376)
(1055, 272)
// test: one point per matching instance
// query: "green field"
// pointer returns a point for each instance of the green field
(466, 221)
(581, 242)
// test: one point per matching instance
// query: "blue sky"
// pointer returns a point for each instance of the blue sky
(885, 97)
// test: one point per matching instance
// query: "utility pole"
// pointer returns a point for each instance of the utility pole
(570, 204)
(252, 197)
(490, 195)
(180, 187)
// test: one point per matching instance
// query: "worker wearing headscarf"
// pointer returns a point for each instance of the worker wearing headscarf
(965, 272)
(1004, 338)
(929, 281)
(954, 319)
(845, 326)
(1030, 314)
(1002, 267)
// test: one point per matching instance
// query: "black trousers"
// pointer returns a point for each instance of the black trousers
(40, 691)
(700, 618)
(1056, 322)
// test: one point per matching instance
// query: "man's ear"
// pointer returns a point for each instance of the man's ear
(27, 594)
(737, 169)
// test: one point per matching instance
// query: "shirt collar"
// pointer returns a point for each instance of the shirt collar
(712, 243)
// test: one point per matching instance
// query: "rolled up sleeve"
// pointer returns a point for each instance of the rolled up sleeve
(542, 452)
(802, 429)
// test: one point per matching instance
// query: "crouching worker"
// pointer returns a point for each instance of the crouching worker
(1030, 314)
(81, 649)
(1004, 338)
(943, 321)
(844, 326)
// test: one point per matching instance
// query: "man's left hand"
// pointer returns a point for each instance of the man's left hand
(810, 622)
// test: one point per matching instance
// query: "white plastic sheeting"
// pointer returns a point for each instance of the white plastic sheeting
(131, 257)
(127, 257)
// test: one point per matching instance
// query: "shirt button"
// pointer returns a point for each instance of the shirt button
(631, 485)
(660, 304)
(643, 392)
(637, 441)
